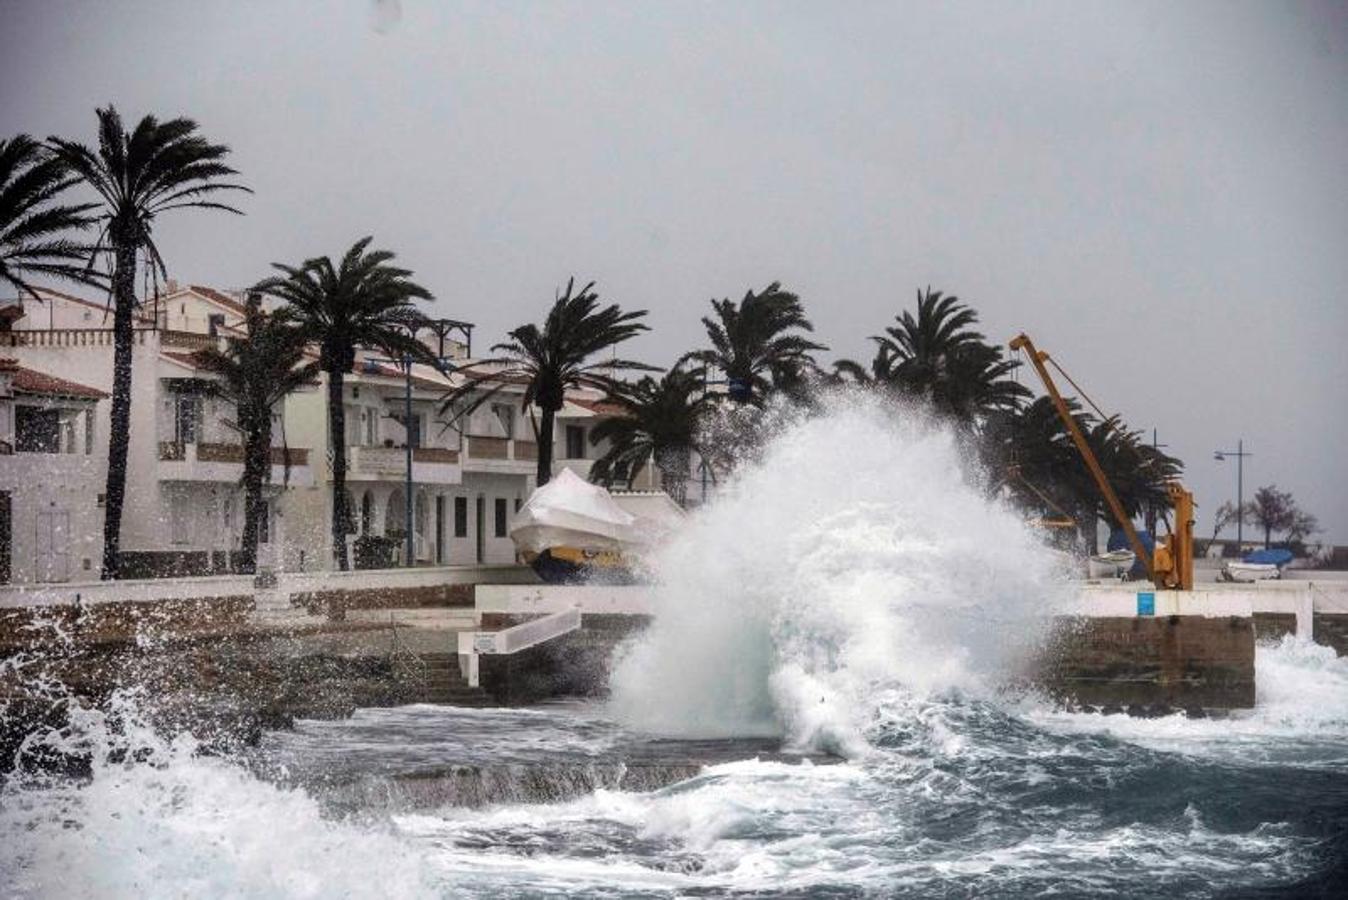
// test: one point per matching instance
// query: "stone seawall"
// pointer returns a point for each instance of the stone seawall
(1147, 664)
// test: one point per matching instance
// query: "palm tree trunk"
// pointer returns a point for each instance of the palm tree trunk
(257, 453)
(119, 433)
(545, 445)
(337, 441)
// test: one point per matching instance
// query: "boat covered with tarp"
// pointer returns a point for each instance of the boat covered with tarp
(1260, 565)
(573, 531)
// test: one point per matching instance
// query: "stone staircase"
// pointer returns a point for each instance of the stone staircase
(446, 685)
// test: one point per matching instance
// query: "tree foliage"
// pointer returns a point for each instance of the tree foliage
(255, 373)
(563, 354)
(757, 343)
(362, 301)
(37, 229)
(138, 175)
(658, 422)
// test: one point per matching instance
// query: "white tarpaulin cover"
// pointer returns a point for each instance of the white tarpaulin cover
(569, 511)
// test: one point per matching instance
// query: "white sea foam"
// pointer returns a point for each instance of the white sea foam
(1300, 714)
(158, 820)
(856, 554)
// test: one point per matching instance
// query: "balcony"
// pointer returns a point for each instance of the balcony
(206, 461)
(498, 454)
(430, 465)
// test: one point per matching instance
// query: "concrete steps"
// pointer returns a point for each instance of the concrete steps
(446, 685)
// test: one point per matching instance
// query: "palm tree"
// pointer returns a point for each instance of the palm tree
(34, 230)
(658, 422)
(752, 343)
(1033, 455)
(937, 357)
(256, 373)
(363, 301)
(552, 360)
(158, 167)
(879, 374)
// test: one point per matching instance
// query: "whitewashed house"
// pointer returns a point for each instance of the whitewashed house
(183, 506)
(51, 520)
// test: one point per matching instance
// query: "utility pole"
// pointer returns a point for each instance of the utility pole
(1240, 454)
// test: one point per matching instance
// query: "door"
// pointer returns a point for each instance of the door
(5, 537)
(481, 510)
(51, 555)
(440, 529)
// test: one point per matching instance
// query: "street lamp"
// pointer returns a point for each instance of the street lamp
(1239, 454)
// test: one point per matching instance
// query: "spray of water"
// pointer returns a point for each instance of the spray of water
(857, 555)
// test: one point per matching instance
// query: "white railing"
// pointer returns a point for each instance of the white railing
(473, 644)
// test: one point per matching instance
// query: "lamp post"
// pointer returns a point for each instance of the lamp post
(1239, 454)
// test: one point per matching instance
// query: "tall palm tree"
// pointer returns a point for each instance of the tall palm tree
(158, 167)
(937, 356)
(551, 360)
(753, 342)
(362, 301)
(658, 423)
(256, 372)
(35, 230)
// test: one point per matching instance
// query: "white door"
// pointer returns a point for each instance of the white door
(52, 553)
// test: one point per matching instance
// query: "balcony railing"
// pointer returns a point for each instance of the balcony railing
(434, 455)
(494, 449)
(488, 447)
(174, 451)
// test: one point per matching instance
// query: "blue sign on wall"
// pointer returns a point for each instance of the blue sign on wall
(1146, 603)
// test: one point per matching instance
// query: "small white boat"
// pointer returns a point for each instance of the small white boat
(1114, 564)
(1261, 565)
(1249, 572)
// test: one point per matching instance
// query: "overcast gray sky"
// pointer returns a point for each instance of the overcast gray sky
(1157, 192)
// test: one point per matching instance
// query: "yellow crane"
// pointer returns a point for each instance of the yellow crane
(1172, 564)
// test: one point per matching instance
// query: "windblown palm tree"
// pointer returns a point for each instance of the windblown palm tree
(35, 230)
(158, 167)
(658, 423)
(1031, 452)
(753, 344)
(551, 360)
(256, 373)
(936, 356)
(363, 301)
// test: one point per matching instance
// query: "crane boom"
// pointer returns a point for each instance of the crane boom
(1171, 565)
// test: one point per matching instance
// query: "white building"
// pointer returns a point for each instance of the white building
(183, 511)
(51, 520)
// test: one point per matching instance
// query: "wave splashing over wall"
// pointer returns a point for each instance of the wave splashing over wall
(857, 555)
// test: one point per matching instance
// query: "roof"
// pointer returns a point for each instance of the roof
(219, 298)
(31, 381)
(103, 306)
(599, 407)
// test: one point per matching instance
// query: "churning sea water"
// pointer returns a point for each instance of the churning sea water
(820, 710)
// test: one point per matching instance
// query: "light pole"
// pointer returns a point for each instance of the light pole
(1240, 454)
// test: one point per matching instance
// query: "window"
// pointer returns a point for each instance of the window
(180, 518)
(518, 504)
(501, 515)
(37, 430)
(505, 413)
(186, 419)
(461, 517)
(371, 419)
(414, 431)
(575, 442)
